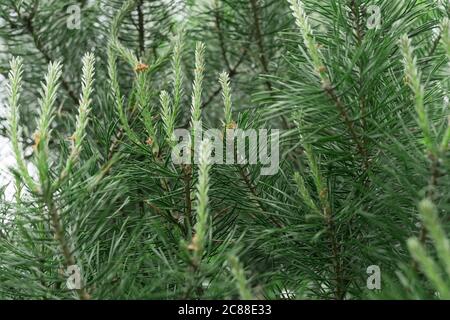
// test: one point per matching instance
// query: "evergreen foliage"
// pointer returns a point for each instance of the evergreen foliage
(362, 101)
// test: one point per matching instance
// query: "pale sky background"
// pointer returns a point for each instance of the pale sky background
(6, 161)
(6, 156)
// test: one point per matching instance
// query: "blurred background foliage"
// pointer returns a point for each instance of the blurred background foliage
(356, 164)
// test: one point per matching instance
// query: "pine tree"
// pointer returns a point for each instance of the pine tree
(96, 92)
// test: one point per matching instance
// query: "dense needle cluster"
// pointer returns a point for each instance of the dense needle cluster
(104, 209)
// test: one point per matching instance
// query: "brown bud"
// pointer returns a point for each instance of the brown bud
(187, 169)
(37, 140)
(141, 67)
(193, 246)
(323, 193)
(232, 125)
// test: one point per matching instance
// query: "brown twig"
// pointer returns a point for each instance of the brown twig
(231, 72)
(262, 52)
(63, 243)
(330, 91)
(141, 29)
(252, 188)
(260, 41)
(336, 253)
(221, 39)
(168, 216)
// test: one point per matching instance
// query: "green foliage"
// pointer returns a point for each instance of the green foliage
(363, 178)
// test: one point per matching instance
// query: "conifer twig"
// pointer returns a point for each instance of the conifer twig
(413, 78)
(327, 214)
(45, 191)
(317, 61)
(29, 27)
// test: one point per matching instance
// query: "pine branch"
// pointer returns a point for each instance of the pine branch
(260, 40)
(223, 50)
(29, 27)
(231, 73)
(301, 19)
